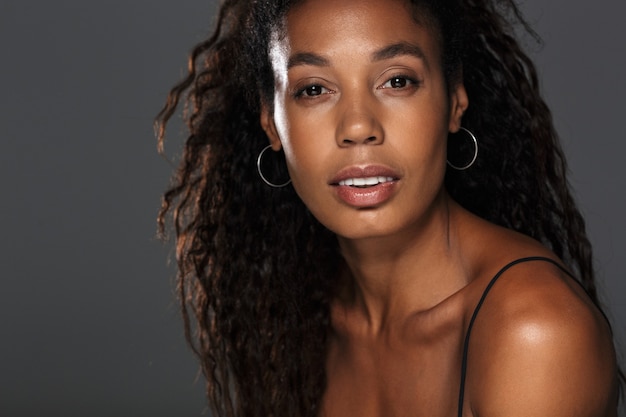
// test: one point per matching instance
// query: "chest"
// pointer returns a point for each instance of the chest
(410, 379)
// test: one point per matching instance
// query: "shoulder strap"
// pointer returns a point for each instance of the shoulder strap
(479, 305)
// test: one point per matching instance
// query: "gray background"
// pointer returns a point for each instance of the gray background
(89, 324)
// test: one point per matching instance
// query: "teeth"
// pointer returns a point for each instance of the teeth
(365, 182)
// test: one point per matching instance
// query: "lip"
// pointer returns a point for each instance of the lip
(366, 197)
(364, 172)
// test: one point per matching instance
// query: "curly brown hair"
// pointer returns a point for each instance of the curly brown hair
(256, 269)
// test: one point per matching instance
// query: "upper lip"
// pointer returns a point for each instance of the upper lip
(363, 171)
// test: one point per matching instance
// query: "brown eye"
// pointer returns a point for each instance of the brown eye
(311, 91)
(398, 82)
(314, 90)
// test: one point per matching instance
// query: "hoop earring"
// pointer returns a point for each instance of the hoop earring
(265, 180)
(471, 162)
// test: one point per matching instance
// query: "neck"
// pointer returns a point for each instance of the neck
(393, 277)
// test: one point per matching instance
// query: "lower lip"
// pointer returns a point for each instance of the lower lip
(369, 197)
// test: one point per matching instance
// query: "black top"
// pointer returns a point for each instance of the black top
(480, 303)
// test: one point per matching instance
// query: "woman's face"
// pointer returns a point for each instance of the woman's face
(362, 112)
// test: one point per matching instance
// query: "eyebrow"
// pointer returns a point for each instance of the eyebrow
(387, 52)
(398, 49)
(307, 58)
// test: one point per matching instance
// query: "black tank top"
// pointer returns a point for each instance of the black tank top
(480, 303)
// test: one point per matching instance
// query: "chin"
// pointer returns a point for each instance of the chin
(356, 229)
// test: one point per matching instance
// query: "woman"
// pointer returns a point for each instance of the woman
(417, 255)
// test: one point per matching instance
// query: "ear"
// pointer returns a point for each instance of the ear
(268, 125)
(458, 105)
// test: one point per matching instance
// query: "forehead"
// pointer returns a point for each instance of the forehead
(317, 24)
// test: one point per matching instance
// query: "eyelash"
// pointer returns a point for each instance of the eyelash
(410, 81)
(302, 92)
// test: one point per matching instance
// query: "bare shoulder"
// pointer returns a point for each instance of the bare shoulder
(540, 347)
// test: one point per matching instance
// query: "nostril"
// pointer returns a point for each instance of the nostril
(367, 140)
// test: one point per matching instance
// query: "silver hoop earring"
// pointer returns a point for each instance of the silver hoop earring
(471, 162)
(265, 180)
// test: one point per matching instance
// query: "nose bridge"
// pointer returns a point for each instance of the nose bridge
(358, 123)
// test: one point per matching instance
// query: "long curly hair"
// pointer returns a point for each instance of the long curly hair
(256, 269)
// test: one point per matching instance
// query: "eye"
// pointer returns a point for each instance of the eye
(310, 91)
(398, 82)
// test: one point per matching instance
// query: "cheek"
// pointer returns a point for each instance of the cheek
(305, 157)
(419, 136)
(281, 121)
(305, 140)
(308, 152)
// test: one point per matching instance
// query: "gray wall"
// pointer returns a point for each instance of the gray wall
(88, 319)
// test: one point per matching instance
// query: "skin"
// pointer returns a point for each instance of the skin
(358, 84)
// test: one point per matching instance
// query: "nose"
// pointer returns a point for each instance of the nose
(359, 125)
